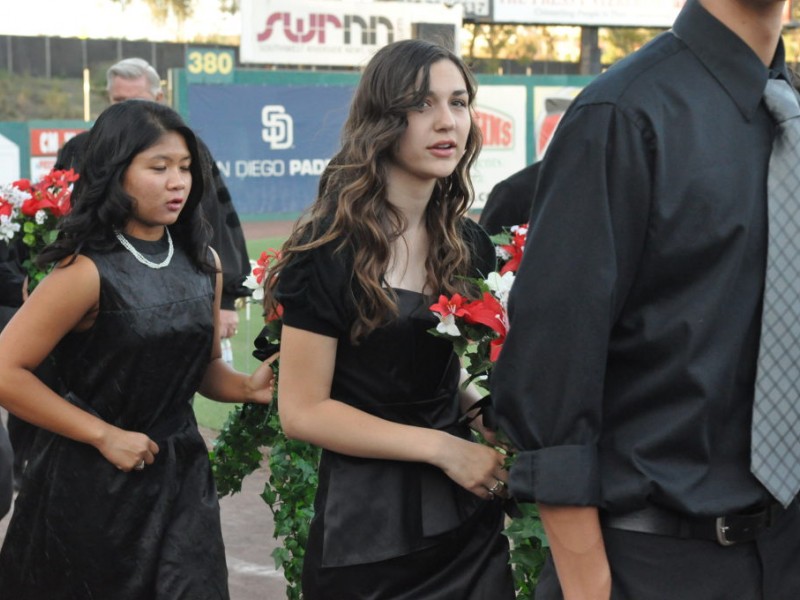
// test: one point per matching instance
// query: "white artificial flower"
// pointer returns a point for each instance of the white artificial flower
(520, 229)
(7, 228)
(500, 285)
(502, 253)
(41, 217)
(258, 290)
(447, 325)
(12, 195)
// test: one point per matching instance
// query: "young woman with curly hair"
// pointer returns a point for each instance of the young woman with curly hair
(407, 505)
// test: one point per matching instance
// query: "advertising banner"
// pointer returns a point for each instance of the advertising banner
(271, 142)
(611, 13)
(501, 116)
(272, 134)
(474, 10)
(347, 34)
(44, 146)
(9, 161)
(550, 102)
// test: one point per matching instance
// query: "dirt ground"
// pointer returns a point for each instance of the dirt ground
(255, 230)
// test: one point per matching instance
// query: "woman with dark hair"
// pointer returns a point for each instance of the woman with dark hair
(407, 505)
(119, 502)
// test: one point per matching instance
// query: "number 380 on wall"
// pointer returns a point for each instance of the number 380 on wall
(209, 65)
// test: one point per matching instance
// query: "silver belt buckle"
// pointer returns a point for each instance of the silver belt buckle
(722, 530)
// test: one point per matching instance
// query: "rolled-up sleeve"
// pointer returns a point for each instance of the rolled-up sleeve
(586, 238)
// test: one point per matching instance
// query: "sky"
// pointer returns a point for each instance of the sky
(107, 19)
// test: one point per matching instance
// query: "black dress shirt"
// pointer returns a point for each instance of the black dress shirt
(627, 378)
(510, 201)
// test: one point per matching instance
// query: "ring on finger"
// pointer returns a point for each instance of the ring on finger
(497, 487)
(139, 466)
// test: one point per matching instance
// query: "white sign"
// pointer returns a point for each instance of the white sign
(473, 9)
(300, 32)
(500, 111)
(612, 13)
(41, 166)
(9, 161)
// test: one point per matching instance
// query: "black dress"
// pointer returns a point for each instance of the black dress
(390, 529)
(81, 528)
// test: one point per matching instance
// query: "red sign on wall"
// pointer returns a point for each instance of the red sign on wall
(46, 142)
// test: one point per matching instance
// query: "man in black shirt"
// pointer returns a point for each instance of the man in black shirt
(627, 378)
(510, 201)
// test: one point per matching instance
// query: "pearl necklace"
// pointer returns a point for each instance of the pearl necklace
(140, 257)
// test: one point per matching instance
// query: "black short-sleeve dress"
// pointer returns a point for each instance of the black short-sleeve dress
(391, 529)
(81, 528)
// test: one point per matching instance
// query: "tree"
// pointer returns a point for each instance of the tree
(161, 9)
(618, 42)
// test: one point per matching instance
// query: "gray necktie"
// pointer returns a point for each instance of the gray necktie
(776, 409)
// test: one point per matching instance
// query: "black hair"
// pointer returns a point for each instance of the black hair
(100, 205)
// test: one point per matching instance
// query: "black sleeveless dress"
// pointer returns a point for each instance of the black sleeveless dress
(81, 528)
(393, 530)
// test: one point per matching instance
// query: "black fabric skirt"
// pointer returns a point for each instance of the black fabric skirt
(468, 563)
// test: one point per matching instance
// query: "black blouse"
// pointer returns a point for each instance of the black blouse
(369, 510)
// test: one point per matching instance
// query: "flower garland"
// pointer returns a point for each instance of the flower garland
(292, 484)
(34, 210)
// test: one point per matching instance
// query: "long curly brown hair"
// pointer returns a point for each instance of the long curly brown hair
(352, 207)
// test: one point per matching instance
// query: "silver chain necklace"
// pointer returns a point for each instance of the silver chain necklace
(140, 257)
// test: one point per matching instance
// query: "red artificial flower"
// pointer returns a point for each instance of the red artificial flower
(24, 185)
(489, 312)
(450, 306)
(514, 249)
(494, 348)
(5, 208)
(33, 205)
(52, 193)
(263, 263)
(275, 315)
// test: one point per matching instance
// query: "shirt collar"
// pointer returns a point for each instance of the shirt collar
(727, 57)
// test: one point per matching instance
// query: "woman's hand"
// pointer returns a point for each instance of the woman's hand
(127, 450)
(261, 383)
(475, 467)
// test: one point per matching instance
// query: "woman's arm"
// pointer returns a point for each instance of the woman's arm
(225, 384)
(579, 553)
(308, 413)
(67, 299)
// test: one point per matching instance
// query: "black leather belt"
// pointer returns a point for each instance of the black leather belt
(727, 530)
